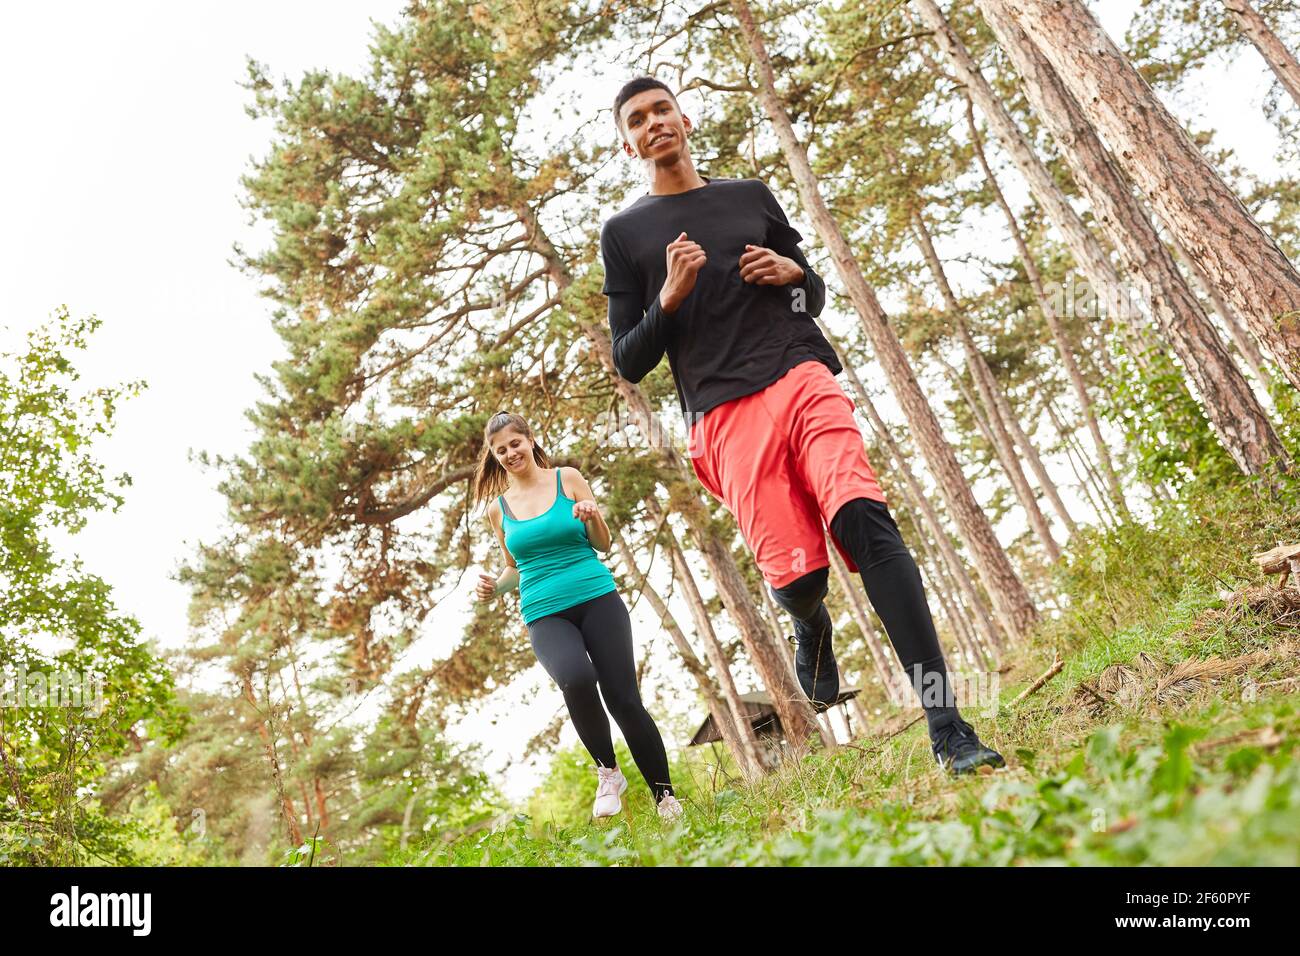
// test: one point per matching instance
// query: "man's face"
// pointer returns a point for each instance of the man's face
(653, 128)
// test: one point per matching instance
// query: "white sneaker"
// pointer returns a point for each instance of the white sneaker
(611, 787)
(670, 810)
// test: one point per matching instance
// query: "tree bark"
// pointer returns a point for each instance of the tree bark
(722, 716)
(1002, 453)
(1083, 245)
(713, 650)
(915, 497)
(1048, 311)
(1088, 478)
(1279, 59)
(1011, 601)
(1238, 419)
(1238, 332)
(1192, 200)
(861, 716)
(1029, 452)
(942, 588)
(1002, 442)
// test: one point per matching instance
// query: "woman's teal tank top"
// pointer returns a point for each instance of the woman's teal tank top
(558, 567)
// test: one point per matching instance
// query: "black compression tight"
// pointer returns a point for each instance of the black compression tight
(868, 533)
(590, 645)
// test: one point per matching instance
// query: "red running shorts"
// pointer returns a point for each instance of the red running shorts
(783, 461)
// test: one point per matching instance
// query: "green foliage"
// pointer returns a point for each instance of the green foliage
(1162, 424)
(59, 625)
(1168, 39)
(1165, 571)
(157, 841)
(1113, 804)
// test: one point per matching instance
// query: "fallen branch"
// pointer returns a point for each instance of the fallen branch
(1279, 683)
(887, 738)
(1266, 737)
(1037, 685)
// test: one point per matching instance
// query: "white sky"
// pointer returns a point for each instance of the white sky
(126, 137)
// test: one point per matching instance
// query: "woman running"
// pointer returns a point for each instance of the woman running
(579, 626)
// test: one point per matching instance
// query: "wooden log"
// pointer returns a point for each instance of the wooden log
(1279, 559)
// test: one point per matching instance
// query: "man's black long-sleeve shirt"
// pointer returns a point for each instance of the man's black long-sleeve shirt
(728, 337)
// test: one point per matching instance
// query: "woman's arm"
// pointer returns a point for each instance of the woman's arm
(586, 510)
(508, 579)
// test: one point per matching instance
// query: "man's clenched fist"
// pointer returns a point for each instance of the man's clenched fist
(685, 259)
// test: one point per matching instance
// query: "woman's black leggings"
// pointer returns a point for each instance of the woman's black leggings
(590, 644)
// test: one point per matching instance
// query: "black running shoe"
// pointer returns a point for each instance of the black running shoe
(958, 749)
(814, 662)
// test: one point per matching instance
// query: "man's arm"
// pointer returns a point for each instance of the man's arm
(813, 284)
(640, 336)
(784, 239)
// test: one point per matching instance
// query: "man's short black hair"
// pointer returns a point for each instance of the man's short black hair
(631, 88)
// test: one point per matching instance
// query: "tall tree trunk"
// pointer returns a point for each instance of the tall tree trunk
(1192, 200)
(1048, 311)
(1088, 479)
(1237, 331)
(779, 618)
(794, 710)
(961, 633)
(785, 643)
(1029, 452)
(713, 650)
(984, 651)
(915, 497)
(308, 738)
(1099, 502)
(1280, 60)
(1010, 599)
(828, 729)
(1116, 307)
(1239, 420)
(723, 719)
(861, 716)
(1100, 356)
(1002, 451)
(1083, 245)
(982, 378)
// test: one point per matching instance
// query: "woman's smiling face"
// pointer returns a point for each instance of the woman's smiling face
(512, 449)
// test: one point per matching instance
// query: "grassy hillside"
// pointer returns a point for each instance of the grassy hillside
(1169, 737)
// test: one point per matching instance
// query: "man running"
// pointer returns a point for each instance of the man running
(709, 272)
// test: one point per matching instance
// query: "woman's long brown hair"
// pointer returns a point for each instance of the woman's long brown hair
(490, 478)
